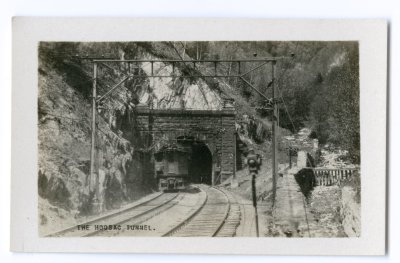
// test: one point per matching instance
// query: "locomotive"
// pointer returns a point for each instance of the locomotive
(171, 167)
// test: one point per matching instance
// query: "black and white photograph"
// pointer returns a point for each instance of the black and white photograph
(199, 139)
(199, 136)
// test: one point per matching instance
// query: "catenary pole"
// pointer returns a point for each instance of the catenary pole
(93, 141)
(274, 134)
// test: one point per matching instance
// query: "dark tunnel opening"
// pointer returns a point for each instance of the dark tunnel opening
(200, 167)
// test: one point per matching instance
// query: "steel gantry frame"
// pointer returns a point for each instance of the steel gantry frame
(191, 63)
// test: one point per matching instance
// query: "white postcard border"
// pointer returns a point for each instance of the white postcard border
(372, 37)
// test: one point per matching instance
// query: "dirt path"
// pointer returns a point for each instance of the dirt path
(291, 215)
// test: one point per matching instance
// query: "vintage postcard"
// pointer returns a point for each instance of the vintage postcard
(247, 135)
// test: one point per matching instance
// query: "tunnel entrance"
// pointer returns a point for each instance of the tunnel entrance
(200, 166)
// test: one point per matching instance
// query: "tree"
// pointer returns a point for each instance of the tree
(335, 110)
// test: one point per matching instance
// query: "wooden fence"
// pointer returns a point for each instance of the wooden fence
(332, 176)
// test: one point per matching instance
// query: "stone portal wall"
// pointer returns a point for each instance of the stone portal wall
(216, 128)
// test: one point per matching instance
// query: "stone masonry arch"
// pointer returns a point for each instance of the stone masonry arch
(215, 128)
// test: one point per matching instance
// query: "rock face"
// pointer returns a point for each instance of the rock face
(176, 92)
(64, 146)
(64, 129)
(350, 212)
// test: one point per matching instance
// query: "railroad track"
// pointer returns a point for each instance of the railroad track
(232, 220)
(217, 216)
(135, 214)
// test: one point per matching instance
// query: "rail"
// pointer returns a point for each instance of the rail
(214, 217)
(118, 216)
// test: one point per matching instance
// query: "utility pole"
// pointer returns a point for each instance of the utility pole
(274, 133)
(93, 149)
